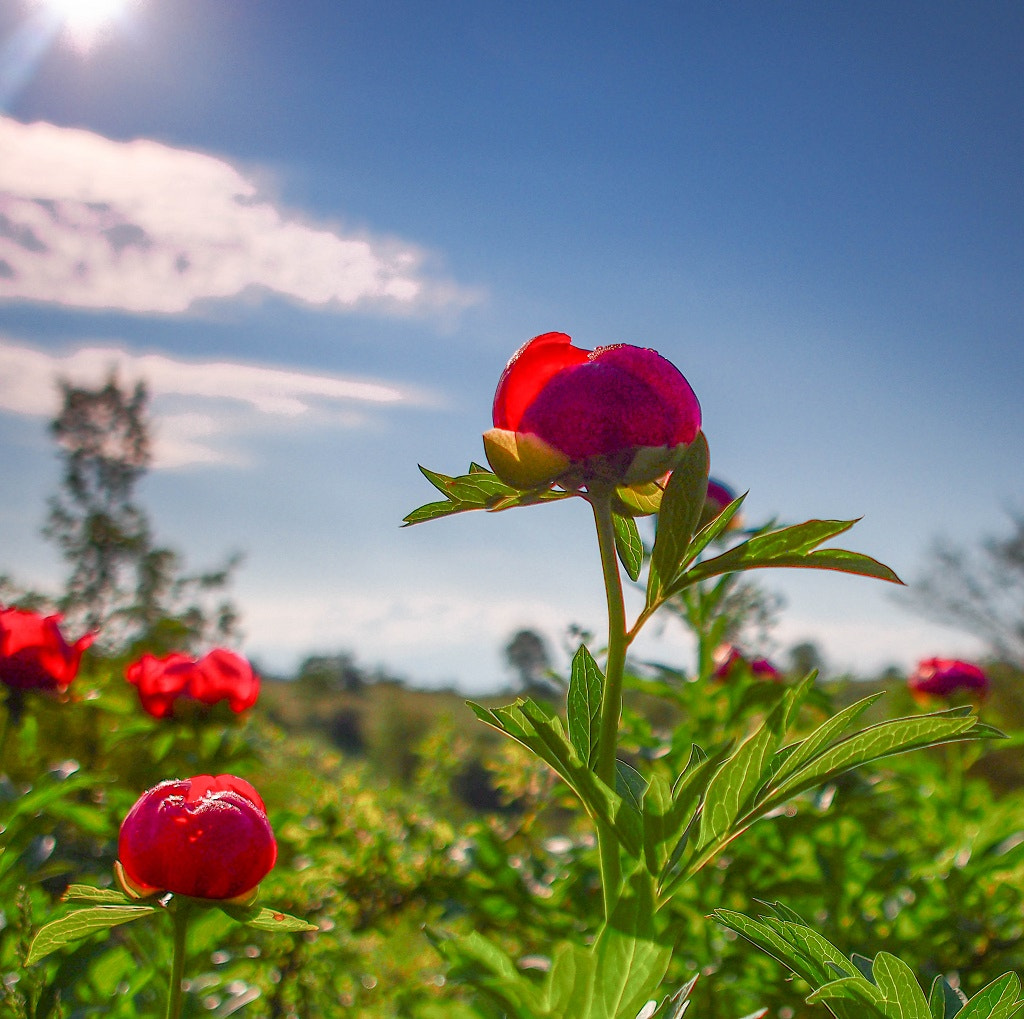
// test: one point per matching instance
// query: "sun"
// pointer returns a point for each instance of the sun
(85, 22)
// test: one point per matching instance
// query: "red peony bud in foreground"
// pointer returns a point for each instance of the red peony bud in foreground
(221, 675)
(618, 414)
(729, 661)
(943, 677)
(207, 837)
(33, 653)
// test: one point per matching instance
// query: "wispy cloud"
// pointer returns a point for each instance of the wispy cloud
(89, 222)
(200, 407)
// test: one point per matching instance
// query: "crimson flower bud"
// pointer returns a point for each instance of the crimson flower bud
(33, 653)
(618, 414)
(718, 496)
(207, 837)
(943, 677)
(730, 661)
(220, 675)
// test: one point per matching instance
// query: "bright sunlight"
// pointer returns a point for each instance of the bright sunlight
(84, 22)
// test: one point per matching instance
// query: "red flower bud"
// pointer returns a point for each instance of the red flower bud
(942, 677)
(221, 675)
(729, 661)
(34, 655)
(718, 497)
(619, 414)
(207, 837)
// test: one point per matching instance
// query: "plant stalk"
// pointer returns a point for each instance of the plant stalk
(611, 702)
(180, 915)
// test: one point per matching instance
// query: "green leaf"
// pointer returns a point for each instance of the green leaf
(790, 546)
(771, 939)
(943, 1000)
(479, 489)
(630, 784)
(903, 996)
(806, 749)
(583, 715)
(741, 775)
(632, 953)
(530, 724)
(872, 744)
(264, 919)
(86, 893)
(851, 998)
(628, 545)
(80, 924)
(681, 507)
(998, 1000)
(489, 968)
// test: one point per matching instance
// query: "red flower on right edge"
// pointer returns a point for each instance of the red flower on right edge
(220, 675)
(943, 677)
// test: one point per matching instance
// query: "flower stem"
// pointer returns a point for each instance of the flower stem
(180, 915)
(611, 701)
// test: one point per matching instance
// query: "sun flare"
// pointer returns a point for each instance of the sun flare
(84, 22)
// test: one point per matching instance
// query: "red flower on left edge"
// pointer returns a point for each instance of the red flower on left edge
(219, 676)
(34, 654)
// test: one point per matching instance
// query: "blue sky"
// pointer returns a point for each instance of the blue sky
(320, 229)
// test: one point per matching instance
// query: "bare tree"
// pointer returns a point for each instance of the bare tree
(979, 590)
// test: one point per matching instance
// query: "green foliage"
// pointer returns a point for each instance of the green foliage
(884, 988)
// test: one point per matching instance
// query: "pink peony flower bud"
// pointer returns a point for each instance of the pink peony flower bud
(221, 675)
(618, 414)
(943, 677)
(33, 653)
(207, 837)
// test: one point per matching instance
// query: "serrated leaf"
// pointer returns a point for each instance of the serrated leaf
(628, 546)
(681, 507)
(583, 714)
(263, 919)
(80, 924)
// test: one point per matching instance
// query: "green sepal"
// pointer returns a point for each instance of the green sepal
(479, 489)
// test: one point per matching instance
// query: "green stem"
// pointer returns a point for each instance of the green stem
(611, 702)
(180, 915)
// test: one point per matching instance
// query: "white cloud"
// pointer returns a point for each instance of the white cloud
(198, 406)
(89, 222)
